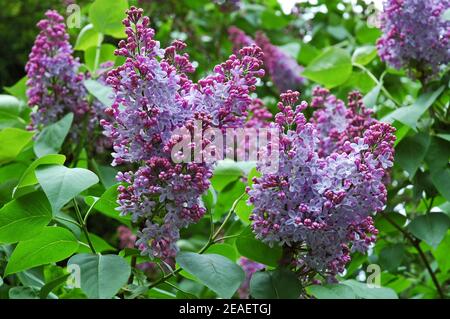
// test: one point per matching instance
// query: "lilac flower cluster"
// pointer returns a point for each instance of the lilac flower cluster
(155, 106)
(283, 69)
(55, 84)
(249, 267)
(335, 122)
(319, 203)
(416, 36)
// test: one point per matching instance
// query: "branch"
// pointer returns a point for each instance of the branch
(416, 243)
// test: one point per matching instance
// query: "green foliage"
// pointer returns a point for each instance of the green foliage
(24, 218)
(351, 289)
(107, 16)
(51, 138)
(61, 184)
(214, 271)
(101, 275)
(51, 245)
(12, 141)
(275, 284)
(43, 220)
(331, 68)
(431, 228)
(252, 248)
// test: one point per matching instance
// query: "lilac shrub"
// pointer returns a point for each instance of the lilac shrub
(416, 36)
(319, 203)
(282, 68)
(154, 100)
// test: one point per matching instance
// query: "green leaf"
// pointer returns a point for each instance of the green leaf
(391, 257)
(107, 204)
(19, 89)
(431, 228)
(272, 21)
(225, 172)
(307, 53)
(275, 284)
(364, 55)
(441, 179)
(371, 98)
(366, 34)
(22, 292)
(51, 245)
(383, 225)
(438, 154)
(411, 151)
(9, 104)
(24, 218)
(87, 38)
(227, 197)
(254, 249)
(441, 254)
(351, 289)
(244, 210)
(99, 244)
(101, 92)
(101, 275)
(12, 141)
(106, 55)
(410, 115)
(107, 16)
(214, 271)
(364, 291)
(225, 250)
(49, 287)
(331, 291)
(11, 120)
(61, 184)
(331, 68)
(446, 15)
(29, 176)
(51, 138)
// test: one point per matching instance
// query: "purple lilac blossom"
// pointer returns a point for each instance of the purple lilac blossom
(282, 68)
(416, 36)
(154, 98)
(319, 205)
(335, 122)
(55, 85)
(249, 267)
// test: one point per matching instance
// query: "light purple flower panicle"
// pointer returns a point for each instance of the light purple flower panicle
(415, 36)
(320, 201)
(54, 84)
(155, 98)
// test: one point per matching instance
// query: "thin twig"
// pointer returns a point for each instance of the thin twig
(83, 226)
(211, 241)
(416, 243)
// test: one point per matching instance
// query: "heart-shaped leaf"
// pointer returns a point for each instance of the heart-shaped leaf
(61, 184)
(431, 228)
(275, 284)
(216, 272)
(101, 276)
